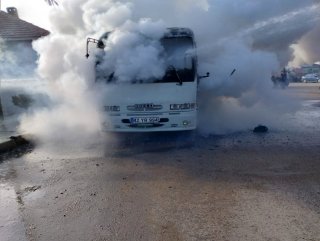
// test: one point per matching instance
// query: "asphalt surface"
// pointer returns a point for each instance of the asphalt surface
(241, 186)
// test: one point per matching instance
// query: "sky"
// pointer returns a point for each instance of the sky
(40, 11)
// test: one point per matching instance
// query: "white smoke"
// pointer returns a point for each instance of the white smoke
(254, 37)
(245, 99)
(306, 51)
(133, 52)
(73, 117)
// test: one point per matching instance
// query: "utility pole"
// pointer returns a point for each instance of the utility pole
(1, 112)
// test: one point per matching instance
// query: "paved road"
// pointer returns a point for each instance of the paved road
(240, 186)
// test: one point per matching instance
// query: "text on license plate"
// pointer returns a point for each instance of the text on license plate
(144, 120)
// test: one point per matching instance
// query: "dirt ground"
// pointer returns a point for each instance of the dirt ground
(236, 187)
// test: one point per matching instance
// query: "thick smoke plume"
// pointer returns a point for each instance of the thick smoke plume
(132, 52)
(253, 37)
(307, 49)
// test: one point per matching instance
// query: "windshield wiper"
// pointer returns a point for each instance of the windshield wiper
(172, 68)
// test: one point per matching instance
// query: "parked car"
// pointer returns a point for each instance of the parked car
(310, 78)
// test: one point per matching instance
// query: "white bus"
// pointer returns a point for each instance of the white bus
(167, 104)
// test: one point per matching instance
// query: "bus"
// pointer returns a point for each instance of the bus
(166, 104)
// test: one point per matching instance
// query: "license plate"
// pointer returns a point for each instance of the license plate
(144, 120)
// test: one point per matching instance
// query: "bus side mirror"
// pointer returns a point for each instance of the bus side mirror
(100, 44)
(233, 71)
(204, 76)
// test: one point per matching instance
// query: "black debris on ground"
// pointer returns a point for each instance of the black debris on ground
(260, 129)
(12, 149)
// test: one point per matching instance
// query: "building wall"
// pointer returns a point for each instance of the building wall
(312, 69)
(17, 59)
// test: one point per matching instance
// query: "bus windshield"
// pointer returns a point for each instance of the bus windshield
(179, 56)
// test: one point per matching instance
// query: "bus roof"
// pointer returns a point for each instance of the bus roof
(174, 32)
(178, 32)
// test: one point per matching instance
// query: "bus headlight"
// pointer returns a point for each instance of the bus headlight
(111, 108)
(186, 123)
(185, 106)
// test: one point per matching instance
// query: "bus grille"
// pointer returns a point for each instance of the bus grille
(144, 107)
